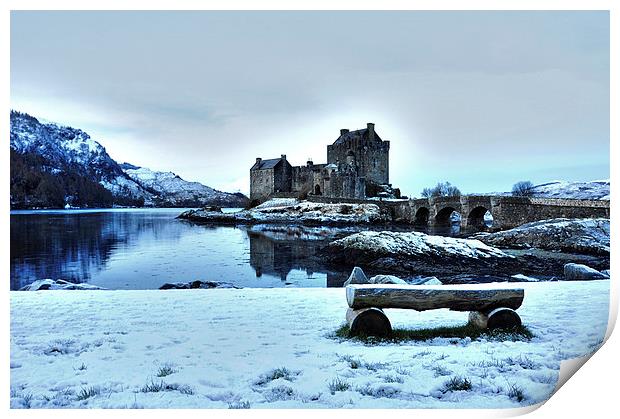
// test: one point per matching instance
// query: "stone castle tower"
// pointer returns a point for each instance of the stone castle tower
(357, 164)
(364, 149)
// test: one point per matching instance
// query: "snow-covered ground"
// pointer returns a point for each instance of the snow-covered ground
(596, 189)
(271, 348)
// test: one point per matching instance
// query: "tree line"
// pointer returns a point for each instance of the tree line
(522, 188)
(35, 185)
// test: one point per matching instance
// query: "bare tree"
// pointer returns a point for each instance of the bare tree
(523, 188)
(441, 189)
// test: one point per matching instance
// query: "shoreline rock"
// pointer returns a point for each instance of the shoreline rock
(294, 212)
(359, 277)
(450, 259)
(579, 272)
(197, 285)
(583, 236)
(59, 284)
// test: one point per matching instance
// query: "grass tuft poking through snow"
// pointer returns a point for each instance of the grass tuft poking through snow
(338, 385)
(516, 393)
(378, 392)
(280, 393)
(456, 384)
(166, 370)
(521, 333)
(282, 372)
(156, 387)
(88, 392)
(242, 404)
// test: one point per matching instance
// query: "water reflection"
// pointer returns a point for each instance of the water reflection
(279, 250)
(143, 249)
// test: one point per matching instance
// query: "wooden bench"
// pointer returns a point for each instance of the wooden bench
(489, 306)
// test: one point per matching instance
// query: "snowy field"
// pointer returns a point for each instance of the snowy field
(270, 348)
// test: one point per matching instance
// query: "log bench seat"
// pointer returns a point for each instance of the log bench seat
(488, 305)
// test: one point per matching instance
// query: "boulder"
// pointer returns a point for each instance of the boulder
(39, 285)
(357, 277)
(582, 236)
(196, 285)
(523, 278)
(174, 286)
(386, 279)
(50, 284)
(430, 280)
(577, 272)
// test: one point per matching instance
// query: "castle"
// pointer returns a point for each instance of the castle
(357, 167)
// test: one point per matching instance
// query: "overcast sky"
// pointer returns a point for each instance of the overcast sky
(480, 99)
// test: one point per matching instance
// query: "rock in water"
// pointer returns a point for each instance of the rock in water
(357, 277)
(174, 286)
(50, 284)
(577, 272)
(198, 284)
(386, 279)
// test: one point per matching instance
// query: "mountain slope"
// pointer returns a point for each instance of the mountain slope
(181, 193)
(53, 166)
(47, 155)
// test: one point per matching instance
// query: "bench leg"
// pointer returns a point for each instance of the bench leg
(499, 318)
(368, 321)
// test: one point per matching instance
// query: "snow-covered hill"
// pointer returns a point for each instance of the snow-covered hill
(596, 189)
(65, 151)
(178, 192)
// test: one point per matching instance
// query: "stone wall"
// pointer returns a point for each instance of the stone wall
(371, 156)
(507, 211)
(510, 212)
(282, 177)
(261, 184)
(306, 178)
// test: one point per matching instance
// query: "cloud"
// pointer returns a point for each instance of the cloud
(501, 94)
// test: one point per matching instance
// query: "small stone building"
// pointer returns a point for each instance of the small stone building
(357, 166)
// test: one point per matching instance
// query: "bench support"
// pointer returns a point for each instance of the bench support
(499, 318)
(369, 321)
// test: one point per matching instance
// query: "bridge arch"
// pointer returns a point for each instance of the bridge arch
(422, 216)
(444, 215)
(478, 217)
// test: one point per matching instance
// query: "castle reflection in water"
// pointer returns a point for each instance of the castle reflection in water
(277, 250)
(143, 249)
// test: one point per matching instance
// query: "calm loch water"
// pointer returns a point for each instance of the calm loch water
(145, 248)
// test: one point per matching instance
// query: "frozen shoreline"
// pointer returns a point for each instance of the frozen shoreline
(222, 343)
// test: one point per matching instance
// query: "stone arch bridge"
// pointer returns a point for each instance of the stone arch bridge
(507, 211)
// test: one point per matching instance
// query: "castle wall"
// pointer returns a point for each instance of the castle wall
(305, 178)
(261, 184)
(371, 157)
(282, 177)
(357, 158)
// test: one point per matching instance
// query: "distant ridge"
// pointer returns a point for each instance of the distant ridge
(53, 166)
